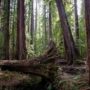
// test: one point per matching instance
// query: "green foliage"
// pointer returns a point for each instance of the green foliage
(82, 40)
(39, 35)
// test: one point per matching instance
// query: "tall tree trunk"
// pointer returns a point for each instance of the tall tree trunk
(76, 23)
(6, 27)
(50, 21)
(21, 45)
(87, 18)
(13, 32)
(70, 48)
(29, 16)
(45, 25)
(32, 24)
(0, 3)
(35, 28)
(0, 7)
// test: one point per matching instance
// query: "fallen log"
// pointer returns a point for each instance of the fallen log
(74, 70)
(38, 66)
(50, 56)
(38, 70)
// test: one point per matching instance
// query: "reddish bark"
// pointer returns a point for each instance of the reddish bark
(76, 22)
(0, 2)
(50, 21)
(6, 28)
(45, 28)
(0, 6)
(87, 18)
(71, 50)
(32, 24)
(21, 46)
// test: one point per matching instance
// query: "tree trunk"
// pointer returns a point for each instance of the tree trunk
(6, 27)
(32, 24)
(45, 26)
(21, 46)
(13, 32)
(87, 18)
(29, 16)
(35, 27)
(0, 3)
(76, 23)
(50, 22)
(70, 48)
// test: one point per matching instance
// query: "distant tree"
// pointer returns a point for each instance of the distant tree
(29, 16)
(6, 15)
(76, 22)
(13, 29)
(45, 25)
(32, 23)
(36, 20)
(0, 2)
(21, 45)
(50, 20)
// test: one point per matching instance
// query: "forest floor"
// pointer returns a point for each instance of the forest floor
(74, 78)
(70, 78)
(46, 72)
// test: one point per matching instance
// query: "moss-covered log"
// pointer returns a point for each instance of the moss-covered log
(43, 66)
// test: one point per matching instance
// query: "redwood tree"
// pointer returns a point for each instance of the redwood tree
(45, 25)
(0, 2)
(50, 21)
(6, 15)
(21, 46)
(76, 22)
(71, 50)
(36, 20)
(32, 24)
(87, 18)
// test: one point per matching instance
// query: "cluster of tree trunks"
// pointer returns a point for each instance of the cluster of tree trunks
(20, 46)
(43, 65)
(71, 50)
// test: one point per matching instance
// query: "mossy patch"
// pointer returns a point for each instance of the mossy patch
(14, 79)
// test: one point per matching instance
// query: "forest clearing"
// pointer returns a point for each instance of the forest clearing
(44, 44)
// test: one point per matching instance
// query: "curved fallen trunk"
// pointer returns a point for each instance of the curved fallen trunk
(42, 66)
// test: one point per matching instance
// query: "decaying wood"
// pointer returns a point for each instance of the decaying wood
(39, 66)
(38, 70)
(12, 78)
